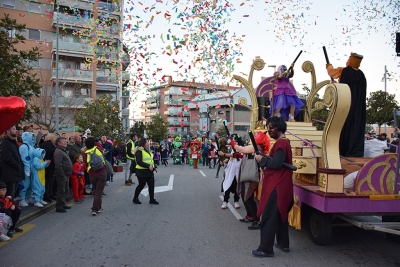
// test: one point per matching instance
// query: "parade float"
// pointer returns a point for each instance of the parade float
(320, 196)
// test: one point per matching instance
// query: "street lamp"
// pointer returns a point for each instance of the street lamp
(386, 76)
(57, 59)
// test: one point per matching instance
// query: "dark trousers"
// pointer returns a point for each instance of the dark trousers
(49, 183)
(232, 189)
(12, 189)
(142, 183)
(98, 181)
(250, 205)
(214, 161)
(14, 215)
(205, 159)
(271, 225)
(62, 189)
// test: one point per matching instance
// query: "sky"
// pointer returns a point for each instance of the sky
(170, 37)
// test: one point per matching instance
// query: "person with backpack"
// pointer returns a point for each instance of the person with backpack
(97, 173)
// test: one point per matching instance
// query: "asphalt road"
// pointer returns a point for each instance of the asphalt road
(188, 228)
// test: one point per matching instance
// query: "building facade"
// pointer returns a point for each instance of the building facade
(91, 60)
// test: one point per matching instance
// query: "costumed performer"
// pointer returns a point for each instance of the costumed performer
(38, 181)
(277, 192)
(286, 102)
(351, 142)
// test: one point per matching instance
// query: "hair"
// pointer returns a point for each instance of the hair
(142, 142)
(277, 122)
(49, 136)
(59, 139)
(26, 127)
(77, 156)
(89, 142)
(76, 137)
(132, 135)
(384, 134)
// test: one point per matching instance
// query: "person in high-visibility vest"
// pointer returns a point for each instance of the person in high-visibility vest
(144, 171)
(130, 159)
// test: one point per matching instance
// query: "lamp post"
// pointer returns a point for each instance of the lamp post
(57, 59)
(386, 76)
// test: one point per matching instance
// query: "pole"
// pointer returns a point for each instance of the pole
(384, 77)
(57, 59)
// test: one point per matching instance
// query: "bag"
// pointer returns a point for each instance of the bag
(249, 171)
(96, 161)
(109, 167)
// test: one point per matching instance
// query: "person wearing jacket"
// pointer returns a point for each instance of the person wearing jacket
(144, 171)
(62, 172)
(26, 152)
(49, 146)
(78, 179)
(12, 168)
(97, 177)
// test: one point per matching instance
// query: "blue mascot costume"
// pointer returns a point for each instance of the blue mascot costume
(26, 152)
(38, 176)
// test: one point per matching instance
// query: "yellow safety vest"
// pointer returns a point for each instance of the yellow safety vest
(147, 157)
(133, 148)
(89, 152)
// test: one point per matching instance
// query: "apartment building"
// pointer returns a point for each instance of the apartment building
(92, 61)
(171, 101)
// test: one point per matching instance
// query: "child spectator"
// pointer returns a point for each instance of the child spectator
(78, 179)
(8, 207)
(164, 156)
(156, 156)
(38, 181)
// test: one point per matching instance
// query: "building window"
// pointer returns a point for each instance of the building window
(11, 33)
(34, 7)
(34, 34)
(32, 63)
(8, 4)
(228, 116)
(242, 128)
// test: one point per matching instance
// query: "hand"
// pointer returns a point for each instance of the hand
(48, 161)
(258, 158)
(233, 144)
(156, 170)
(328, 66)
(12, 207)
(221, 153)
(151, 168)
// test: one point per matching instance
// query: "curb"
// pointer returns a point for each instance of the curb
(33, 215)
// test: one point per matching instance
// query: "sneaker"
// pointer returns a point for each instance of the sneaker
(216, 176)
(127, 183)
(155, 202)
(237, 206)
(136, 201)
(94, 213)
(43, 202)
(254, 226)
(16, 229)
(247, 219)
(100, 211)
(224, 205)
(38, 204)
(23, 204)
(3, 237)
(107, 183)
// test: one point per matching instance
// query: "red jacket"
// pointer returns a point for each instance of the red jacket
(79, 167)
(5, 204)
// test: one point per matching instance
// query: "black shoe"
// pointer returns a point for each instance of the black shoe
(254, 226)
(282, 248)
(9, 234)
(47, 199)
(136, 201)
(53, 197)
(154, 202)
(16, 229)
(104, 194)
(246, 220)
(61, 210)
(67, 207)
(84, 193)
(258, 253)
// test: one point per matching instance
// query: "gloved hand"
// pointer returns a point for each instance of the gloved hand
(232, 142)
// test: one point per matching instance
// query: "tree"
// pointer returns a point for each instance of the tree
(380, 106)
(157, 128)
(101, 117)
(16, 76)
(138, 128)
(321, 114)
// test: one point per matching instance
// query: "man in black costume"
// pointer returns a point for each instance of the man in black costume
(353, 132)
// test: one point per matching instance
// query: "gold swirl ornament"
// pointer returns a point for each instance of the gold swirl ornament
(299, 164)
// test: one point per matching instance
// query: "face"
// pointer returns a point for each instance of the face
(71, 140)
(63, 143)
(103, 139)
(273, 131)
(20, 132)
(78, 139)
(63, 135)
(54, 139)
(147, 145)
(3, 192)
(88, 135)
(12, 132)
(80, 159)
(30, 129)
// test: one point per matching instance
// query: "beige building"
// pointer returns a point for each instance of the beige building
(90, 49)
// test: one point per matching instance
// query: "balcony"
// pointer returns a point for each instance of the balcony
(68, 45)
(179, 123)
(177, 113)
(175, 91)
(108, 7)
(126, 75)
(106, 54)
(113, 31)
(74, 75)
(125, 60)
(71, 102)
(179, 133)
(103, 78)
(125, 112)
(152, 105)
(74, 21)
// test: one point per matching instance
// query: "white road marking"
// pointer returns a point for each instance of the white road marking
(232, 209)
(160, 189)
(202, 173)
